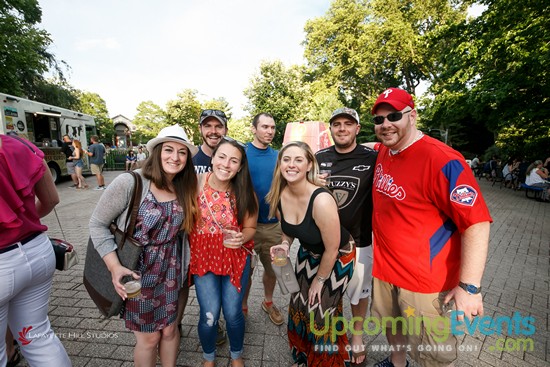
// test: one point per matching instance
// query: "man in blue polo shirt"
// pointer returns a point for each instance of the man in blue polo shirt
(261, 163)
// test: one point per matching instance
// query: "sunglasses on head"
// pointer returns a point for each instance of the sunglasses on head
(231, 140)
(218, 113)
(392, 117)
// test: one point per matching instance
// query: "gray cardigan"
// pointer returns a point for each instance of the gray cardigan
(113, 204)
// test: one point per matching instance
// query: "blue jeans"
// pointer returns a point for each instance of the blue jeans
(214, 292)
(25, 282)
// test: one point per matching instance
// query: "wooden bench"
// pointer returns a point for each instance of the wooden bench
(536, 191)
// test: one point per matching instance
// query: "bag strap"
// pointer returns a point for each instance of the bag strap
(134, 205)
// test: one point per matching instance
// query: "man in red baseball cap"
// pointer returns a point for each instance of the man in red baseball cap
(431, 234)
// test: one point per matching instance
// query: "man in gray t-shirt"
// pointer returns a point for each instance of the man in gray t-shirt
(96, 152)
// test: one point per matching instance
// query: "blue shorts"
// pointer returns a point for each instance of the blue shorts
(78, 163)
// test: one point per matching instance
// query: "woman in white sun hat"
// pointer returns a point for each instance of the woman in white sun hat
(168, 208)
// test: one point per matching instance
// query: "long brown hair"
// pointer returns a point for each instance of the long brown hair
(279, 183)
(78, 145)
(241, 184)
(184, 183)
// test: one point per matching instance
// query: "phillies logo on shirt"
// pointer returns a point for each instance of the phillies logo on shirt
(464, 195)
(384, 184)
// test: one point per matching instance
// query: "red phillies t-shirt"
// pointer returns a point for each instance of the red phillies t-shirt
(424, 198)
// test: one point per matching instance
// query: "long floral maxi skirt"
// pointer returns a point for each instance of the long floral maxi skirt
(313, 339)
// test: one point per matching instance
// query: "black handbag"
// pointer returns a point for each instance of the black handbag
(97, 278)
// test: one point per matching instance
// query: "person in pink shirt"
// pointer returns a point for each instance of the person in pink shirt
(27, 260)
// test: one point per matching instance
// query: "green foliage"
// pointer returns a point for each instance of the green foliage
(92, 104)
(55, 92)
(24, 56)
(28, 10)
(149, 120)
(185, 111)
(498, 64)
(279, 91)
(363, 47)
(240, 129)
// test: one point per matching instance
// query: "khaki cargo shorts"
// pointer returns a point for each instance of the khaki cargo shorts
(96, 168)
(419, 315)
(267, 235)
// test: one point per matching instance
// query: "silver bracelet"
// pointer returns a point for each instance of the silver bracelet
(321, 279)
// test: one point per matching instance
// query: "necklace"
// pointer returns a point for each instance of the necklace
(419, 136)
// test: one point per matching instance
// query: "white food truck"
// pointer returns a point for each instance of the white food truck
(44, 125)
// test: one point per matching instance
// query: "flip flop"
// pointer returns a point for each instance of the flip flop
(356, 355)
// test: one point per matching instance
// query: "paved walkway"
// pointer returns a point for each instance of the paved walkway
(516, 280)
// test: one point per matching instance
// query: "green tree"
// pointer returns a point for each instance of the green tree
(240, 129)
(149, 120)
(185, 111)
(496, 67)
(24, 56)
(56, 92)
(279, 91)
(92, 104)
(365, 46)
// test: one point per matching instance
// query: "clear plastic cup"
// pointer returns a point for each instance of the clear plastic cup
(229, 237)
(132, 285)
(279, 257)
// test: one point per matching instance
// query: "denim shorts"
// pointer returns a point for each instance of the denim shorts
(78, 163)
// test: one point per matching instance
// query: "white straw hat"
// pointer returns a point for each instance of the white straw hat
(172, 133)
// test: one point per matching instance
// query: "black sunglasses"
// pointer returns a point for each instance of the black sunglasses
(231, 140)
(392, 117)
(218, 113)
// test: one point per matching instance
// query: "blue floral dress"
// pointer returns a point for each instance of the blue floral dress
(157, 227)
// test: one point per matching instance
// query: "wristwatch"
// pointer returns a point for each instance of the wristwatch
(469, 288)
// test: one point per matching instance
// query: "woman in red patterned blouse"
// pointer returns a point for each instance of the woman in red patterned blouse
(221, 273)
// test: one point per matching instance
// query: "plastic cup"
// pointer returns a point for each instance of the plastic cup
(229, 237)
(326, 173)
(132, 286)
(279, 257)
(440, 304)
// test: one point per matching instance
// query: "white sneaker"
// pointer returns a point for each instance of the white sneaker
(99, 188)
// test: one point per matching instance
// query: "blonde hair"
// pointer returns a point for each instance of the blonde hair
(279, 183)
